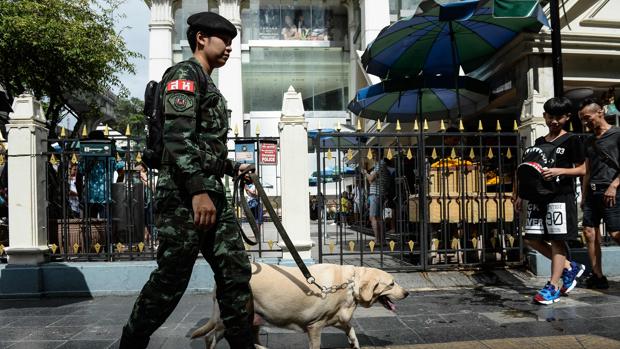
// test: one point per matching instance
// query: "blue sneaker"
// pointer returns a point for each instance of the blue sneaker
(547, 295)
(569, 277)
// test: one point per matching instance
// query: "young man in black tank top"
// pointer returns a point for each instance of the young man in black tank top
(551, 223)
(600, 194)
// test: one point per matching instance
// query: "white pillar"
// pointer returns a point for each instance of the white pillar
(537, 88)
(294, 174)
(160, 37)
(27, 134)
(352, 28)
(375, 16)
(229, 76)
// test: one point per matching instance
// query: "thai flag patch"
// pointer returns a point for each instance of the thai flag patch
(180, 85)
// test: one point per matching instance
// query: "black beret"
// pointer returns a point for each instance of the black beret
(212, 23)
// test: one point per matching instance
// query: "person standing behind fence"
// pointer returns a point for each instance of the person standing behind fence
(192, 212)
(343, 210)
(254, 203)
(600, 196)
(539, 229)
(376, 193)
(74, 192)
(149, 189)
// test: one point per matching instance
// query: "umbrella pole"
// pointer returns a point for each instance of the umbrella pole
(456, 72)
(556, 49)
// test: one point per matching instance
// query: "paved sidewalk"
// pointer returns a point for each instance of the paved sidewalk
(497, 312)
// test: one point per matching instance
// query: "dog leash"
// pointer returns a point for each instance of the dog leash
(239, 198)
(239, 184)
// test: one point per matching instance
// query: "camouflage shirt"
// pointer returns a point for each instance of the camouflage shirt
(195, 158)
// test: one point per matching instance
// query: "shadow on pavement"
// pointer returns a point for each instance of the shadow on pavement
(22, 282)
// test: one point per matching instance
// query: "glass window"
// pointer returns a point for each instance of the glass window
(404, 8)
(394, 7)
(186, 9)
(270, 21)
(320, 74)
(302, 20)
(187, 53)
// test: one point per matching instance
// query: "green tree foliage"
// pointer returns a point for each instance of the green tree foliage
(129, 112)
(55, 48)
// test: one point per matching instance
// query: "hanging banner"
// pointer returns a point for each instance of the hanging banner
(244, 152)
(268, 153)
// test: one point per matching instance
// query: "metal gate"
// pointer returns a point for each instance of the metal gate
(445, 201)
(100, 199)
(264, 153)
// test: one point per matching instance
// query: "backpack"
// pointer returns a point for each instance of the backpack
(155, 118)
(532, 185)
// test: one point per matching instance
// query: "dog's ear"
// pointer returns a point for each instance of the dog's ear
(367, 291)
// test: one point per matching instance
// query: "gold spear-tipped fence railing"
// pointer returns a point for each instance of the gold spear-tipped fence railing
(451, 205)
(100, 197)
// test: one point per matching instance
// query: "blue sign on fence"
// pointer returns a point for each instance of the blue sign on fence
(244, 152)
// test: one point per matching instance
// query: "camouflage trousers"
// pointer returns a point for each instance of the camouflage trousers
(179, 243)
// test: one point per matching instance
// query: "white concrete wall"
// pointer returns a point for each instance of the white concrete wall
(375, 16)
(160, 38)
(590, 38)
(27, 182)
(352, 8)
(591, 16)
(293, 150)
(229, 76)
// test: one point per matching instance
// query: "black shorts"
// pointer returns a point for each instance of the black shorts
(595, 209)
(556, 220)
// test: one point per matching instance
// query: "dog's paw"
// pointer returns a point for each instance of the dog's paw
(210, 342)
(256, 346)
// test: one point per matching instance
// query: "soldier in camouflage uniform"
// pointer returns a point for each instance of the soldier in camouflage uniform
(192, 211)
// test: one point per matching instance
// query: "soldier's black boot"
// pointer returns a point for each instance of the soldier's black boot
(129, 341)
(240, 339)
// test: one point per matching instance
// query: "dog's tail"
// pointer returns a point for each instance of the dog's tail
(202, 331)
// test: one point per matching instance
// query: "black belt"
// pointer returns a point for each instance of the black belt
(239, 198)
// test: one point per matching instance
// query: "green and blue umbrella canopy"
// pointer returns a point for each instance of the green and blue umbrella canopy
(443, 38)
(434, 97)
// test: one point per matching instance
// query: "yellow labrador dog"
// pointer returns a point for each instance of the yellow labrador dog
(283, 298)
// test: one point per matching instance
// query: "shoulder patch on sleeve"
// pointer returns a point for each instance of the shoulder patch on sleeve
(180, 85)
(180, 102)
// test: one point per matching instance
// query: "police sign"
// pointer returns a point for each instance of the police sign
(268, 153)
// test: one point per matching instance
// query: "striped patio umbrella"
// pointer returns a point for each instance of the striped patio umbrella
(434, 98)
(330, 138)
(443, 38)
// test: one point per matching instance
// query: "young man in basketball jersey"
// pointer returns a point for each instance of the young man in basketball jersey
(553, 222)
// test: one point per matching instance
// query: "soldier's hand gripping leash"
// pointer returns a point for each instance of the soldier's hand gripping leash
(249, 176)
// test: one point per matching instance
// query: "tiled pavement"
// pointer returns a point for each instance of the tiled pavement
(499, 315)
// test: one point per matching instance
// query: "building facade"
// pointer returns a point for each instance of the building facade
(312, 45)
(521, 74)
(308, 44)
(315, 46)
